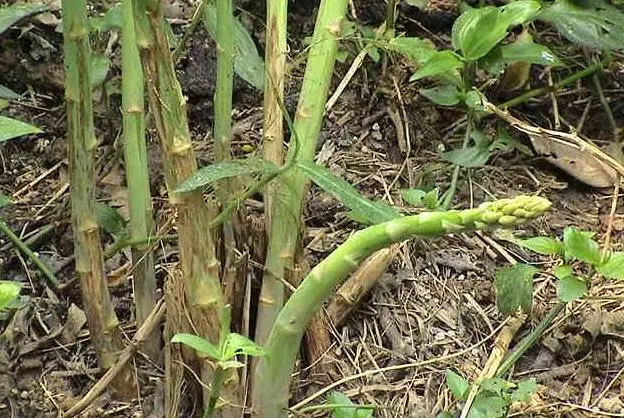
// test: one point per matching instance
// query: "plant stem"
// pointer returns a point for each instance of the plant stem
(197, 17)
(140, 241)
(273, 124)
(101, 318)
(547, 89)
(275, 368)
(21, 245)
(284, 230)
(450, 193)
(527, 342)
(137, 177)
(225, 79)
(215, 390)
(390, 16)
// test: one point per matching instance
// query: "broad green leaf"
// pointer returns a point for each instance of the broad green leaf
(477, 31)
(571, 288)
(248, 64)
(473, 100)
(514, 288)
(593, 23)
(488, 405)
(495, 385)
(7, 93)
(439, 63)
(110, 220)
(467, 157)
(347, 409)
(563, 271)
(111, 20)
(580, 246)
(198, 344)
(236, 344)
(99, 69)
(9, 291)
(519, 11)
(432, 199)
(613, 268)
(413, 197)
(10, 15)
(5, 200)
(524, 391)
(526, 50)
(446, 95)
(13, 128)
(504, 137)
(457, 385)
(224, 170)
(542, 245)
(416, 49)
(372, 211)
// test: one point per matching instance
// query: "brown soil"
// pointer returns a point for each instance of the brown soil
(437, 298)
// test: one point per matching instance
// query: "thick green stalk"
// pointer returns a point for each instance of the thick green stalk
(101, 318)
(225, 80)
(137, 177)
(273, 377)
(273, 125)
(284, 231)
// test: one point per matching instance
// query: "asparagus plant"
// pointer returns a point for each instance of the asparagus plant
(284, 230)
(137, 177)
(273, 126)
(199, 265)
(101, 318)
(272, 381)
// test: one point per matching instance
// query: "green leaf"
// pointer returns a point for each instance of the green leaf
(514, 288)
(236, 344)
(571, 288)
(13, 128)
(593, 23)
(563, 271)
(524, 391)
(413, 197)
(110, 220)
(7, 93)
(372, 211)
(224, 170)
(198, 344)
(488, 405)
(473, 100)
(99, 69)
(112, 20)
(525, 50)
(542, 245)
(578, 245)
(9, 291)
(440, 62)
(432, 199)
(447, 95)
(519, 11)
(467, 157)
(5, 200)
(421, 4)
(457, 385)
(248, 64)
(10, 15)
(477, 31)
(495, 385)
(416, 49)
(347, 408)
(613, 267)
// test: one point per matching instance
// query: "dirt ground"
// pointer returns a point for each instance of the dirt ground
(436, 303)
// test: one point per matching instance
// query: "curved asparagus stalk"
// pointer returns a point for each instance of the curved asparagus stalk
(273, 377)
